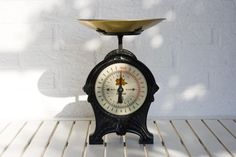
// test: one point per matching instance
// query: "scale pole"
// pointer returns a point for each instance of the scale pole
(120, 42)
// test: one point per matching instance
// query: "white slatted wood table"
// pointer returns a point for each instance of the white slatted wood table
(69, 138)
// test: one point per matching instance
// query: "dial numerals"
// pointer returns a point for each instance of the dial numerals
(121, 89)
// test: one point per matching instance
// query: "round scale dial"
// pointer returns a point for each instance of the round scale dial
(121, 89)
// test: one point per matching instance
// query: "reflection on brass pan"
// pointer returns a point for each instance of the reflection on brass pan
(125, 27)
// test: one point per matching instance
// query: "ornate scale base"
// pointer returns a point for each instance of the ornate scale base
(134, 123)
(120, 88)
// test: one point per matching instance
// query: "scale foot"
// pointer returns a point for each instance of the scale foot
(146, 140)
(95, 140)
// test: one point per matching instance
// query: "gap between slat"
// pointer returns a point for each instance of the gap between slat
(161, 138)
(13, 139)
(5, 127)
(145, 148)
(31, 138)
(125, 146)
(180, 138)
(226, 129)
(86, 141)
(67, 139)
(217, 138)
(105, 146)
(194, 132)
(50, 137)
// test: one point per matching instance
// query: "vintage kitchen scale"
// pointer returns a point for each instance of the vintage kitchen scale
(120, 88)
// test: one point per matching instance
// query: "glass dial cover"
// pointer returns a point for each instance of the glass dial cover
(121, 89)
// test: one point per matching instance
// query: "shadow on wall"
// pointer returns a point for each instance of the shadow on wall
(43, 48)
(74, 48)
(47, 38)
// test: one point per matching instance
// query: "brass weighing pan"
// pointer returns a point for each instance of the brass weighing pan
(122, 27)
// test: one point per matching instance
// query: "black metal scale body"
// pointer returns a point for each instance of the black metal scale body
(120, 124)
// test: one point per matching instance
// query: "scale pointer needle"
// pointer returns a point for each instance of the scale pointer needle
(120, 89)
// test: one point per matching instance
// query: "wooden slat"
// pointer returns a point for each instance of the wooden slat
(68, 139)
(133, 148)
(189, 139)
(41, 139)
(77, 141)
(59, 139)
(94, 150)
(3, 125)
(22, 140)
(171, 139)
(223, 135)
(230, 125)
(114, 145)
(156, 149)
(9, 134)
(208, 139)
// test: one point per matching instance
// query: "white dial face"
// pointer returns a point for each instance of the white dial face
(121, 89)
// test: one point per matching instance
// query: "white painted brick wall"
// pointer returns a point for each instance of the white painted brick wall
(46, 55)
